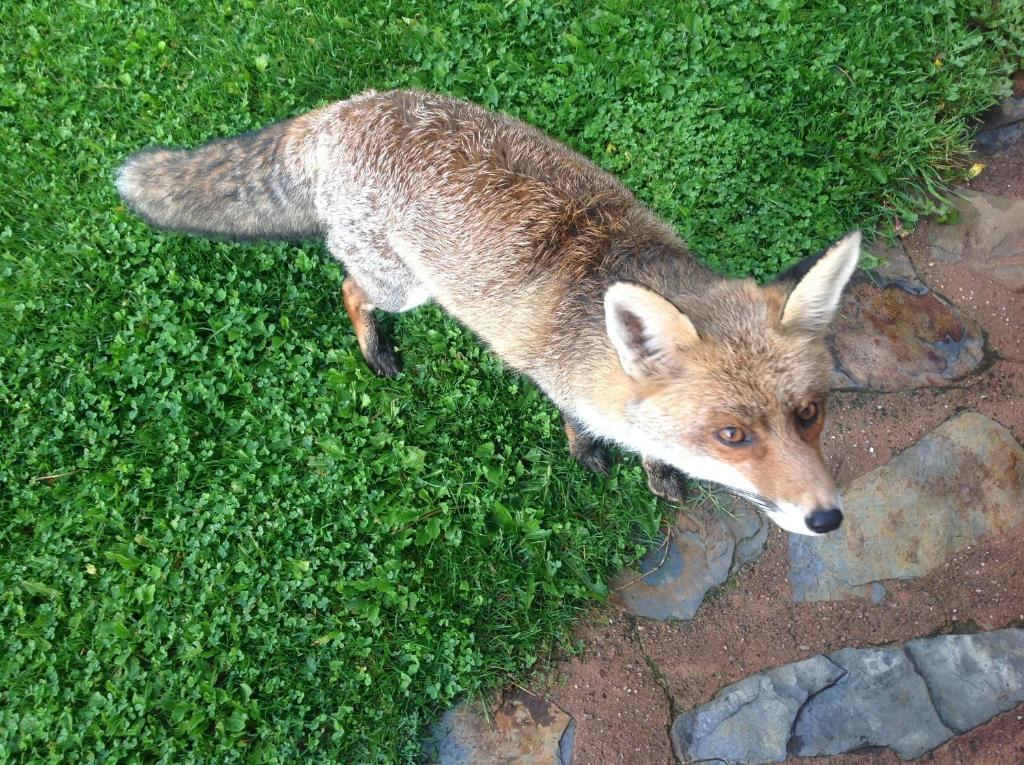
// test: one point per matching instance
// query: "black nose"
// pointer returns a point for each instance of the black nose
(824, 521)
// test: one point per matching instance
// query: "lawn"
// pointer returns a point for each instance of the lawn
(221, 538)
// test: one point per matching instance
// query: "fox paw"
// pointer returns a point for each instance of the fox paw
(594, 457)
(385, 362)
(665, 481)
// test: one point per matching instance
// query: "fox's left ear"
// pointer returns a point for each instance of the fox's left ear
(821, 279)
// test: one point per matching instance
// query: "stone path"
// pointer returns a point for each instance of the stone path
(1003, 128)
(893, 333)
(965, 478)
(908, 698)
(988, 238)
(957, 486)
(521, 728)
(703, 548)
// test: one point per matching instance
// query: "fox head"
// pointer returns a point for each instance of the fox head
(730, 386)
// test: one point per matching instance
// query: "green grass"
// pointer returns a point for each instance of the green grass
(223, 540)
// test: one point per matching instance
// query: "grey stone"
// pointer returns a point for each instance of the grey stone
(971, 678)
(896, 267)
(1002, 126)
(961, 483)
(999, 138)
(1007, 111)
(750, 529)
(880, 701)
(988, 238)
(522, 729)
(567, 743)
(749, 721)
(701, 552)
(893, 333)
(908, 698)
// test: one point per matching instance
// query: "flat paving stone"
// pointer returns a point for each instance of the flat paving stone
(988, 238)
(893, 333)
(704, 548)
(523, 729)
(909, 698)
(959, 484)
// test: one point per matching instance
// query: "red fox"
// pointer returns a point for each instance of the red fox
(556, 266)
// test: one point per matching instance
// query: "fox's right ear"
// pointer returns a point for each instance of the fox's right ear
(648, 332)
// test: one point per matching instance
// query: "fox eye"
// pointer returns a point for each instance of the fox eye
(733, 437)
(808, 414)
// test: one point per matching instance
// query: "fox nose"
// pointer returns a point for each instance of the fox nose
(824, 521)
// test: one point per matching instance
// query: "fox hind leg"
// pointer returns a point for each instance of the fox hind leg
(376, 278)
(587, 450)
(380, 355)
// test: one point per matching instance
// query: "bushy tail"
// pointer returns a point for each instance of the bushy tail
(255, 186)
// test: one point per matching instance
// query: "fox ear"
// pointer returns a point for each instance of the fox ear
(814, 300)
(648, 332)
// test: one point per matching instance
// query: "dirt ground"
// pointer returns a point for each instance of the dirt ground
(636, 675)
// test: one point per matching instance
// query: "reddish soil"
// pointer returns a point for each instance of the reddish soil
(615, 696)
(756, 626)
(635, 675)
(1000, 741)
(1003, 173)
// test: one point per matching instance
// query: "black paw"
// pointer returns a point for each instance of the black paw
(594, 456)
(384, 362)
(666, 481)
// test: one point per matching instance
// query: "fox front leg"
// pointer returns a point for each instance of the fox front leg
(587, 450)
(664, 480)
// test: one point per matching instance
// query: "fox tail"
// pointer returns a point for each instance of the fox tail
(258, 185)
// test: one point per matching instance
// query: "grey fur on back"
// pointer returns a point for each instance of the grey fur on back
(510, 231)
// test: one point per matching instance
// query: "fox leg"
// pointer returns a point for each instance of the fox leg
(379, 354)
(375, 278)
(665, 480)
(587, 450)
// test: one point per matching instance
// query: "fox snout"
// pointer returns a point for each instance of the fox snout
(731, 386)
(808, 516)
(822, 521)
(796, 489)
(799, 520)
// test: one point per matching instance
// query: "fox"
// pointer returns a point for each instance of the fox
(556, 266)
